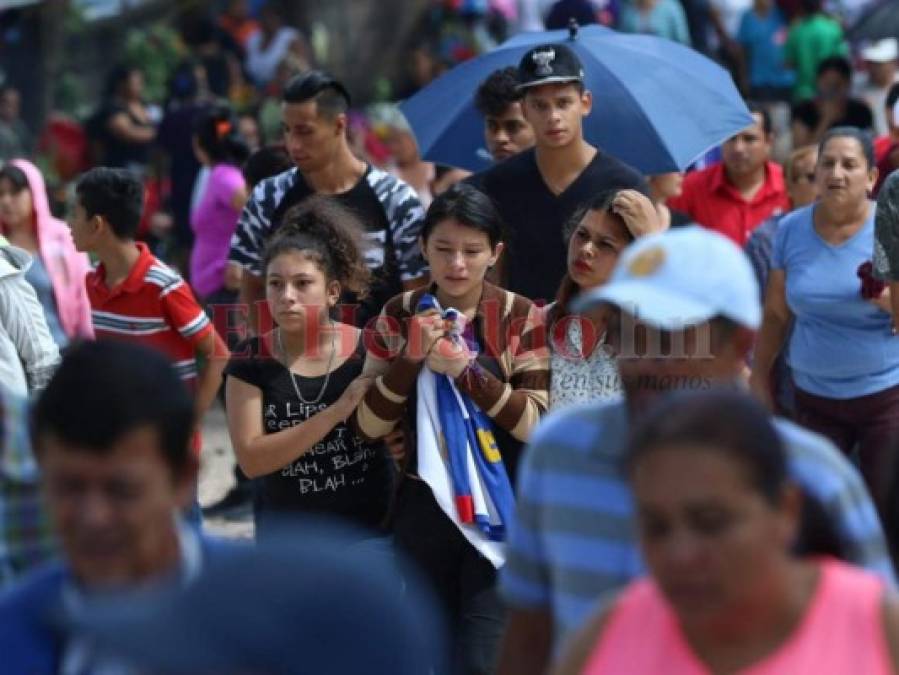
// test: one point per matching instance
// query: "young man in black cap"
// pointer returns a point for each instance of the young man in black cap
(498, 99)
(539, 190)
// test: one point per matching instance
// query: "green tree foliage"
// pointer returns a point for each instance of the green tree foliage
(156, 50)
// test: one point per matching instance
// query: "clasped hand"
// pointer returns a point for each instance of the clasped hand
(449, 357)
(429, 341)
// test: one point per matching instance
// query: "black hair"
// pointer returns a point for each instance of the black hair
(838, 64)
(498, 92)
(863, 137)
(265, 163)
(765, 114)
(331, 96)
(440, 170)
(602, 201)
(218, 136)
(892, 97)
(469, 206)
(197, 28)
(116, 77)
(14, 175)
(7, 87)
(328, 233)
(105, 390)
(568, 289)
(115, 194)
(722, 420)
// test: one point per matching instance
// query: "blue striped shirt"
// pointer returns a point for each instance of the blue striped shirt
(574, 537)
(26, 537)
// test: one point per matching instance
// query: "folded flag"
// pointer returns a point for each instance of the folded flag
(458, 455)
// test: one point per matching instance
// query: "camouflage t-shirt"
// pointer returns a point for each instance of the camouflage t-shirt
(886, 230)
(388, 208)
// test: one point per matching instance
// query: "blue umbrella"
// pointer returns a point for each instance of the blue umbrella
(657, 104)
(877, 21)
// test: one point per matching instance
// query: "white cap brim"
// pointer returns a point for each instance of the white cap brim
(882, 51)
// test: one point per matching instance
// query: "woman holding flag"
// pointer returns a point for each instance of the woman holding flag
(462, 365)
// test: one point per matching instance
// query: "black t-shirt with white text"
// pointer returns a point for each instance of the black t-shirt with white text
(342, 475)
(534, 217)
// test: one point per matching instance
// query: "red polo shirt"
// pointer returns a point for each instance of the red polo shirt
(710, 199)
(152, 307)
(882, 146)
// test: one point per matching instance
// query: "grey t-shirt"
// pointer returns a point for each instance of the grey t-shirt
(886, 230)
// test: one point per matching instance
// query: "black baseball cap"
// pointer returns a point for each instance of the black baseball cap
(549, 64)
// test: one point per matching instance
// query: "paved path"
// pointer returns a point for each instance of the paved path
(217, 473)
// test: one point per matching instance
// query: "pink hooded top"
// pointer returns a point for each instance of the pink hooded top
(841, 633)
(66, 267)
(214, 220)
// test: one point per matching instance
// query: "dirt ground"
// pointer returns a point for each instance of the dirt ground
(217, 474)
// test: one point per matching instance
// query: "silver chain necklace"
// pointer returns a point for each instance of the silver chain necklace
(293, 377)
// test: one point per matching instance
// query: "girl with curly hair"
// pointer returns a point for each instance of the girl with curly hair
(290, 391)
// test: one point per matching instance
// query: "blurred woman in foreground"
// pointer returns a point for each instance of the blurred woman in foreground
(717, 518)
(582, 366)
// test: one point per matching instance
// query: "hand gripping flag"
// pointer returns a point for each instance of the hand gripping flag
(458, 456)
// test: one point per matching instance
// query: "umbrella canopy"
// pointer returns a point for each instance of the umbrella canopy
(657, 104)
(879, 21)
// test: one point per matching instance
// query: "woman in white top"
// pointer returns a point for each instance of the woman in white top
(268, 46)
(582, 367)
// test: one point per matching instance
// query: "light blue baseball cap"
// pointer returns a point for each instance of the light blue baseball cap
(679, 278)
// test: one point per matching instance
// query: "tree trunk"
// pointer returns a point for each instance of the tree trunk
(52, 48)
(365, 40)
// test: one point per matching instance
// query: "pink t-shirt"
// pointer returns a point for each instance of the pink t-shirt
(213, 222)
(841, 633)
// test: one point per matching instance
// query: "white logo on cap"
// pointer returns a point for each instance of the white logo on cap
(543, 59)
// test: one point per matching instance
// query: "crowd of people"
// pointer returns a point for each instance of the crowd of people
(554, 416)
